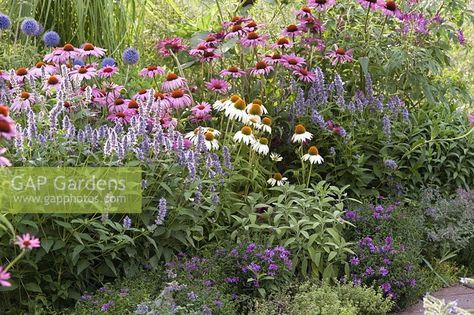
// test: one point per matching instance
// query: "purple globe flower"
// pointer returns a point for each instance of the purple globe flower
(29, 27)
(108, 61)
(130, 56)
(5, 22)
(51, 39)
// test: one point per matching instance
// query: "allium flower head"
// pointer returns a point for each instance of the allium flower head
(29, 27)
(313, 156)
(27, 241)
(51, 39)
(108, 61)
(130, 56)
(277, 180)
(5, 22)
(4, 277)
(340, 55)
(301, 135)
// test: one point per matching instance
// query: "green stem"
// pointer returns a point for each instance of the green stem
(309, 175)
(14, 261)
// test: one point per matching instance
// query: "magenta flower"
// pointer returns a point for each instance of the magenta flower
(83, 73)
(27, 241)
(372, 4)
(7, 127)
(292, 61)
(4, 277)
(52, 82)
(390, 8)
(321, 5)
(261, 68)
(107, 71)
(292, 31)
(201, 112)
(173, 82)
(461, 38)
(209, 56)
(304, 13)
(88, 49)
(218, 86)
(273, 59)
(200, 49)
(63, 54)
(254, 40)
(124, 116)
(151, 71)
(236, 30)
(282, 43)
(141, 95)
(470, 117)
(23, 102)
(179, 99)
(170, 45)
(311, 25)
(233, 72)
(340, 55)
(37, 70)
(3, 160)
(118, 105)
(304, 75)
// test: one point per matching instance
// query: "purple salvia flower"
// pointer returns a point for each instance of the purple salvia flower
(369, 91)
(127, 223)
(318, 119)
(339, 87)
(162, 211)
(198, 194)
(227, 157)
(81, 136)
(387, 126)
(461, 38)
(31, 130)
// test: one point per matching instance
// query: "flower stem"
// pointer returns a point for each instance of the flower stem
(14, 261)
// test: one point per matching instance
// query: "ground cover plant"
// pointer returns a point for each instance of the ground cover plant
(280, 143)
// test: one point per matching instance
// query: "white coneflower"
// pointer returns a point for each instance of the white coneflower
(237, 111)
(193, 136)
(276, 157)
(261, 146)
(221, 105)
(254, 111)
(277, 180)
(313, 156)
(301, 134)
(266, 125)
(245, 135)
(210, 141)
(257, 102)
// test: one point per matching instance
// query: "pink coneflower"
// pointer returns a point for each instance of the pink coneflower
(253, 40)
(200, 49)
(201, 112)
(4, 75)
(118, 105)
(470, 118)
(37, 70)
(108, 95)
(173, 82)
(321, 5)
(3, 160)
(7, 127)
(304, 75)
(123, 116)
(107, 71)
(292, 31)
(251, 26)
(179, 99)
(209, 56)
(233, 72)
(212, 40)
(152, 71)
(63, 54)
(304, 13)
(292, 61)
(273, 59)
(4, 277)
(218, 86)
(22, 74)
(141, 95)
(52, 82)
(83, 73)
(236, 30)
(170, 45)
(340, 55)
(260, 68)
(311, 25)
(27, 241)
(23, 102)
(372, 4)
(90, 50)
(314, 42)
(282, 43)
(390, 8)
